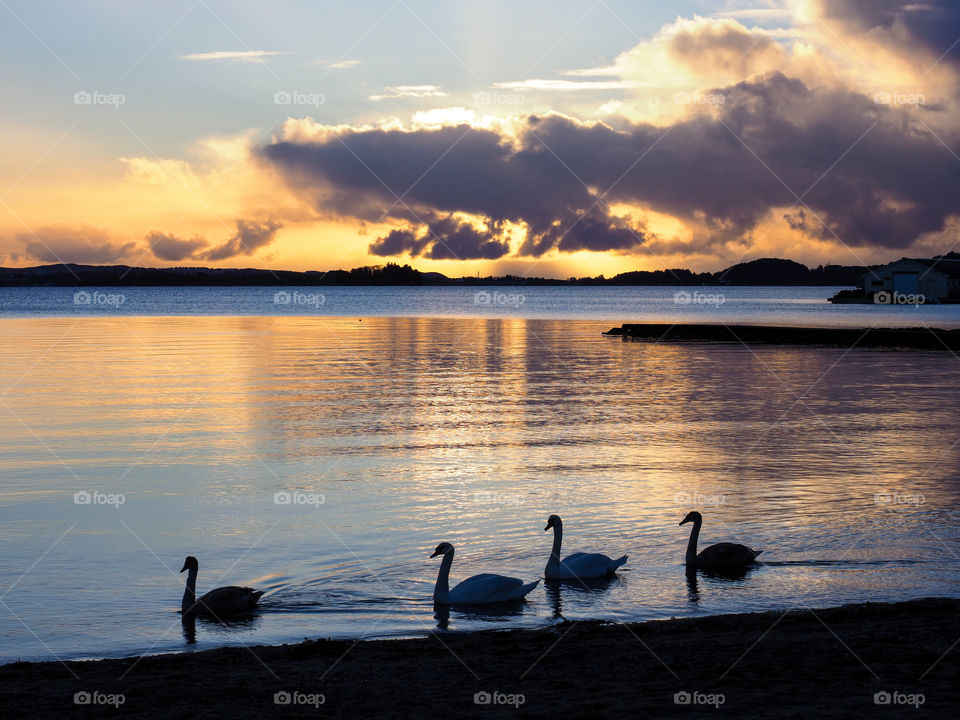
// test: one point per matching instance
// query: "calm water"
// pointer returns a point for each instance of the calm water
(785, 306)
(843, 466)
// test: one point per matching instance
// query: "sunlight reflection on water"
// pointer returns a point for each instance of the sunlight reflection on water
(841, 466)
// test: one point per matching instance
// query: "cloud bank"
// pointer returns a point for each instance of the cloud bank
(81, 244)
(249, 237)
(834, 125)
(786, 135)
(864, 172)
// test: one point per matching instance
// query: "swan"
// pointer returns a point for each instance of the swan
(722, 556)
(223, 601)
(476, 590)
(579, 566)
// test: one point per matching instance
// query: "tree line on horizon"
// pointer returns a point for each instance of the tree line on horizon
(764, 271)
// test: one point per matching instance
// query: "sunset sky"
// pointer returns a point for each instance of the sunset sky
(539, 138)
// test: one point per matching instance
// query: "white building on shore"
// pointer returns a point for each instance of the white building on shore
(933, 280)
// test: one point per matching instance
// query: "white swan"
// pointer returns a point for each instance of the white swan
(218, 603)
(722, 556)
(476, 590)
(579, 566)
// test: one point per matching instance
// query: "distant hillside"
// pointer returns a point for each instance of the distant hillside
(765, 271)
(775, 271)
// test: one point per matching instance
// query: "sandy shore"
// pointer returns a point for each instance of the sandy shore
(824, 664)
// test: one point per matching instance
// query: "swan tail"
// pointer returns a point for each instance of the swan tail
(255, 597)
(525, 590)
(756, 554)
(619, 561)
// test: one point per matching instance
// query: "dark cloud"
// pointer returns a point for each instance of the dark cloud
(444, 239)
(250, 236)
(438, 172)
(594, 230)
(398, 242)
(81, 244)
(868, 174)
(451, 169)
(453, 240)
(172, 248)
(933, 25)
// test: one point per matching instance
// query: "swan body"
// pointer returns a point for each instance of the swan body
(722, 556)
(218, 603)
(578, 566)
(477, 590)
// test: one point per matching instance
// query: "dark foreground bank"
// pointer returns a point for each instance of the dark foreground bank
(921, 338)
(872, 660)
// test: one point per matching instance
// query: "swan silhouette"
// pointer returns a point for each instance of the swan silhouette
(477, 590)
(579, 566)
(219, 603)
(722, 556)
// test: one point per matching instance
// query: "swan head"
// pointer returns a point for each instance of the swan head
(442, 549)
(692, 516)
(553, 521)
(190, 564)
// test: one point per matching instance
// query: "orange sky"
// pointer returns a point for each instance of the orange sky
(91, 176)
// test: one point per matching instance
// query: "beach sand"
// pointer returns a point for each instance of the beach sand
(800, 664)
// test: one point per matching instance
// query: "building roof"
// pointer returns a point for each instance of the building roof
(948, 266)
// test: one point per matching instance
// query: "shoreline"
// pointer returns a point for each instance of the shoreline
(773, 664)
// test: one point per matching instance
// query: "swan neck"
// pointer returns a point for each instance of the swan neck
(190, 592)
(557, 541)
(692, 543)
(442, 589)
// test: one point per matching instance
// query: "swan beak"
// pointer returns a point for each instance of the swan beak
(184, 567)
(435, 553)
(547, 527)
(683, 521)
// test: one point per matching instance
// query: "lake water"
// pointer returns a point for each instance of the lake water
(396, 433)
(773, 305)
